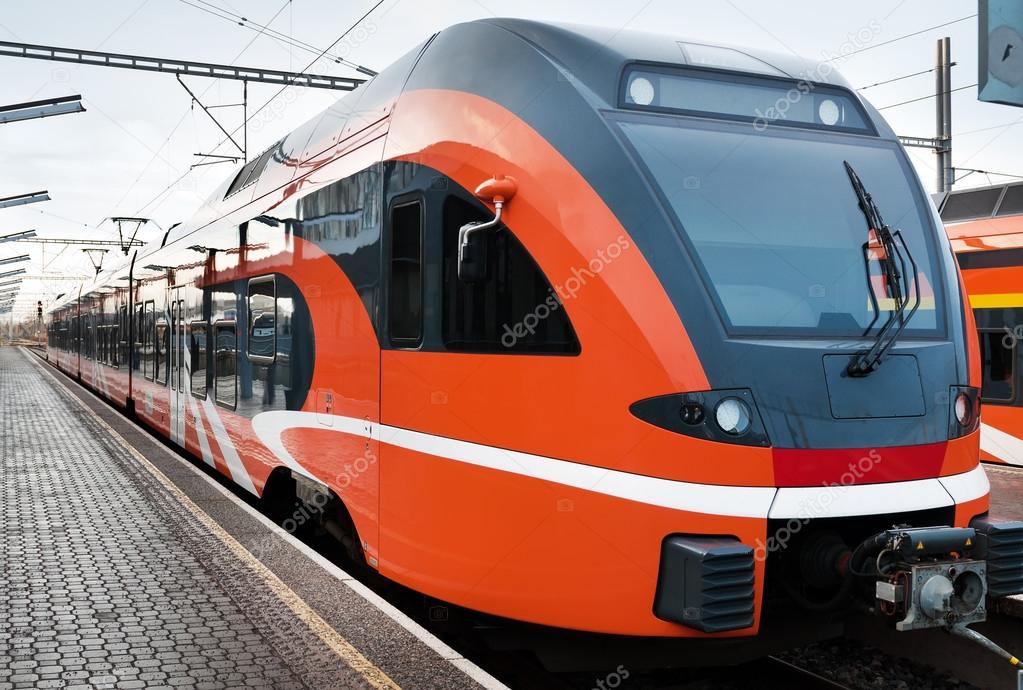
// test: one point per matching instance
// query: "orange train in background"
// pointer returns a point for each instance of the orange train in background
(985, 225)
(596, 330)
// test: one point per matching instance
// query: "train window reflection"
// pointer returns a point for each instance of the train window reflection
(197, 353)
(162, 337)
(226, 347)
(262, 337)
(149, 317)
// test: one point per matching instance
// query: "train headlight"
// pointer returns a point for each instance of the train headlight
(641, 91)
(829, 112)
(733, 416)
(963, 409)
(964, 412)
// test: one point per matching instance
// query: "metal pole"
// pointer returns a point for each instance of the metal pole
(245, 120)
(946, 109)
(943, 114)
(939, 117)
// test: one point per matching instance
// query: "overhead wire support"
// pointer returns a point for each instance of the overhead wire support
(89, 243)
(185, 67)
(22, 199)
(34, 110)
(195, 99)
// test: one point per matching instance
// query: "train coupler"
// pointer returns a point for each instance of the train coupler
(940, 577)
(927, 577)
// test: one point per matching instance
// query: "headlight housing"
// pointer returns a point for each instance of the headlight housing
(964, 411)
(727, 415)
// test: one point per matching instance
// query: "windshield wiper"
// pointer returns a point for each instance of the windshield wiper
(892, 254)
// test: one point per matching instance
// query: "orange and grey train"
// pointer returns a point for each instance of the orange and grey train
(595, 330)
(985, 226)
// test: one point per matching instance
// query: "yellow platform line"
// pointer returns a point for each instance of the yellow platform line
(323, 630)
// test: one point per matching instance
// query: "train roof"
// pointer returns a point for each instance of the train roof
(596, 55)
(593, 56)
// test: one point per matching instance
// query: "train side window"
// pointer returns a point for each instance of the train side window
(225, 348)
(406, 287)
(148, 326)
(197, 352)
(122, 341)
(136, 352)
(515, 311)
(998, 362)
(161, 342)
(262, 338)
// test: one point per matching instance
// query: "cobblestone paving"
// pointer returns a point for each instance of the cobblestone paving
(108, 582)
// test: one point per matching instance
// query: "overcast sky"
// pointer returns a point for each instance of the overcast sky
(140, 132)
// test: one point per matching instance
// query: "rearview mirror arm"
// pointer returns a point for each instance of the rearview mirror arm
(466, 230)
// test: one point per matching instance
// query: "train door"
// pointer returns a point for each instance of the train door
(178, 380)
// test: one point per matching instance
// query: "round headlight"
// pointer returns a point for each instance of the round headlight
(963, 410)
(641, 91)
(828, 112)
(733, 416)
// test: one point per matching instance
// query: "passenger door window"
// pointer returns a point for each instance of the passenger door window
(998, 360)
(262, 337)
(225, 365)
(406, 286)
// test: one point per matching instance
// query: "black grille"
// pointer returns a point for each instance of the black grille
(1001, 544)
(706, 583)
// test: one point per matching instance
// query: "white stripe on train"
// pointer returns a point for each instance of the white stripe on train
(710, 499)
(1003, 446)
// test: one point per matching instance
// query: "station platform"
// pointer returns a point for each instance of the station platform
(126, 567)
(1006, 492)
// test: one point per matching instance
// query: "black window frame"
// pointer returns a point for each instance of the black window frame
(406, 343)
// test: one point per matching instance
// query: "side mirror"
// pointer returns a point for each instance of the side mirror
(472, 238)
(472, 253)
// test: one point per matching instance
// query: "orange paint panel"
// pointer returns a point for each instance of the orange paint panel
(986, 228)
(965, 512)
(960, 454)
(531, 550)
(345, 462)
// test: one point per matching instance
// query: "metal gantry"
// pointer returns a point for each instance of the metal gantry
(183, 67)
(90, 243)
(32, 110)
(22, 199)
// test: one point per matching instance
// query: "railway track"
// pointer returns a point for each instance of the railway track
(788, 675)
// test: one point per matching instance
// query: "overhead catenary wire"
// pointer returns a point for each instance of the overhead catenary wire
(924, 98)
(895, 79)
(270, 100)
(247, 23)
(904, 37)
(970, 171)
(181, 121)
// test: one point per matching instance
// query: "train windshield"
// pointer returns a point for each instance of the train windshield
(776, 227)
